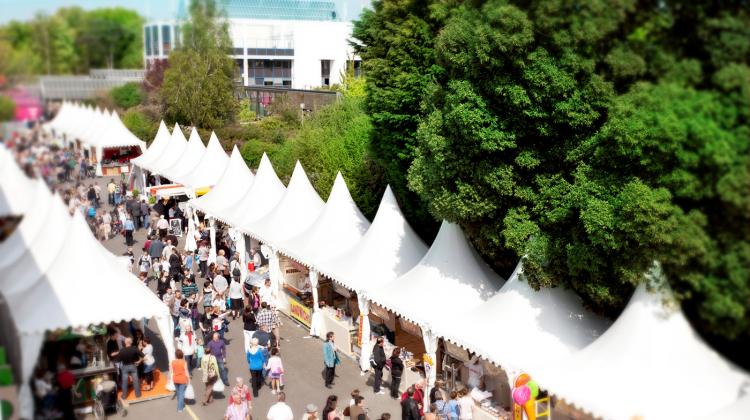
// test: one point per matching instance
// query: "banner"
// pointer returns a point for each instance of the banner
(299, 311)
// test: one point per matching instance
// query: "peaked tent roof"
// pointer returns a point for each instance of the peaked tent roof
(156, 148)
(451, 271)
(389, 248)
(259, 200)
(550, 323)
(171, 153)
(295, 212)
(14, 196)
(189, 159)
(649, 363)
(97, 125)
(210, 168)
(234, 183)
(338, 227)
(114, 134)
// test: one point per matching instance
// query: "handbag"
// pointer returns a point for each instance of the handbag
(218, 386)
(189, 392)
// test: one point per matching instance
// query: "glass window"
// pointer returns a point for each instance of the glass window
(166, 38)
(238, 51)
(148, 40)
(241, 66)
(258, 80)
(286, 82)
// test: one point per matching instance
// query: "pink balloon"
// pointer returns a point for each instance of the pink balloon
(521, 394)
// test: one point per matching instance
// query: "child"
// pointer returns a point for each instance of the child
(200, 351)
(275, 370)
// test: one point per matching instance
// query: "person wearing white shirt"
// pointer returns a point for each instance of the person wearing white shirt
(475, 373)
(267, 294)
(235, 297)
(280, 410)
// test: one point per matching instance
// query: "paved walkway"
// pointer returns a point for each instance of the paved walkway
(303, 362)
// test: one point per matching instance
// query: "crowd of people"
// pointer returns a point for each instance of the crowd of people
(204, 298)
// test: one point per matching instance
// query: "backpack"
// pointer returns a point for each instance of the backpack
(236, 273)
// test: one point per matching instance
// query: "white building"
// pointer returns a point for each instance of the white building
(301, 44)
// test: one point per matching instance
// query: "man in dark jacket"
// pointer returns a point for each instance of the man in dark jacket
(409, 409)
(378, 355)
(134, 207)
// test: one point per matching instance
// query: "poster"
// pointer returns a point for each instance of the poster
(175, 227)
(299, 311)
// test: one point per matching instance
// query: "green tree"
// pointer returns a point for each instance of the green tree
(593, 137)
(111, 38)
(198, 86)
(396, 42)
(7, 108)
(140, 124)
(127, 95)
(54, 42)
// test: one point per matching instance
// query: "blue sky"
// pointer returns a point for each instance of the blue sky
(25, 9)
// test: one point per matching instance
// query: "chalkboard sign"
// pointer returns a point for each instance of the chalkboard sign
(175, 227)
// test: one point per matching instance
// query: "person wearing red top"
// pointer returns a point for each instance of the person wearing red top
(243, 392)
(65, 381)
(179, 378)
(418, 397)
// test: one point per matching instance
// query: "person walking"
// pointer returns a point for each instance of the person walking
(162, 225)
(357, 410)
(219, 350)
(397, 369)
(237, 410)
(243, 391)
(329, 410)
(210, 369)
(379, 359)
(311, 412)
(280, 410)
(129, 228)
(179, 378)
(256, 359)
(249, 325)
(129, 357)
(111, 192)
(330, 359)
(149, 364)
(236, 297)
(188, 345)
(275, 370)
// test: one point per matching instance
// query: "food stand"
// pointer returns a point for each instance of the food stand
(116, 160)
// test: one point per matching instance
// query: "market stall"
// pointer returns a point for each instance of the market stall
(139, 176)
(112, 146)
(388, 249)
(337, 228)
(451, 271)
(52, 261)
(296, 210)
(544, 325)
(652, 338)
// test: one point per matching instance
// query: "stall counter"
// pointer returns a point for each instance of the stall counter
(346, 333)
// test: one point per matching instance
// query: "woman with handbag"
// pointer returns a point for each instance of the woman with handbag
(210, 369)
(179, 378)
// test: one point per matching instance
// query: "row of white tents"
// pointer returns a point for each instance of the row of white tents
(648, 363)
(95, 128)
(54, 274)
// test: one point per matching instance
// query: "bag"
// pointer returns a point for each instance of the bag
(211, 369)
(346, 411)
(170, 386)
(372, 361)
(189, 392)
(218, 386)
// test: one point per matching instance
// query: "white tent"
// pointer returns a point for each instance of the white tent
(259, 200)
(156, 148)
(209, 169)
(235, 182)
(53, 262)
(389, 248)
(295, 212)
(189, 159)
(14, 196)
(111, 134)
(740, 410)
(338, 227)
(649, 363)
(171, 153)
(449, 281)
(546, 325)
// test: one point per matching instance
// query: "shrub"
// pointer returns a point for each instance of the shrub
(139, 124)
(246, 115)
(7, 108)
(127, 95)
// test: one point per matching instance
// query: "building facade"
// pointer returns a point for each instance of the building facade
(300, 44)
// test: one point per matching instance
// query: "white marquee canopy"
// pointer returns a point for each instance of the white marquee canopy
(188, 161)
(156, 148)
(295, 212)
(338, 227)
(545, 325)
(209, 169)
(649, 363)
(260, 199)
(389, 248)
(234, 184)
(171, 153)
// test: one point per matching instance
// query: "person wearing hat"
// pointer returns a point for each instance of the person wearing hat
(280, 410)
(311, 412)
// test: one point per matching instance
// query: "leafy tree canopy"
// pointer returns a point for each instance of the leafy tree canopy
(593, 137)
(198, 86)
(127, 95)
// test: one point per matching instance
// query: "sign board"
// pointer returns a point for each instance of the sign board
(299, 311)
(175, 227)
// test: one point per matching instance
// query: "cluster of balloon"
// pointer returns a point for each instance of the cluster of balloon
(525, 392)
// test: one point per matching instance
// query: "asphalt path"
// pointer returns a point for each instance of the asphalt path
(303, 363)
